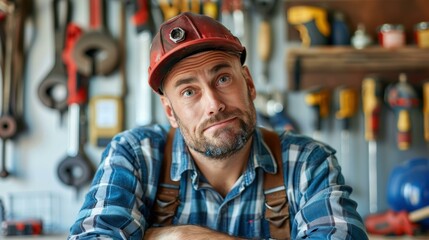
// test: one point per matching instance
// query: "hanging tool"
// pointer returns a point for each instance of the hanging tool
(75, 169)
(232, 17)
(238, 19)
(143, 24)
(191, 6)
(347, 104)
(107, 112)
(96, 52)
(318, 99)
(312, 23)
(278, 117)
(169, 10)
(265, 8)
(172, 8)
(52, 90)
(401, 97)
(396, 223)
(371, 104)
(8, 124)
(123, 49)
(210, 8)
(14, 15)
(226, 16)
(426, 110)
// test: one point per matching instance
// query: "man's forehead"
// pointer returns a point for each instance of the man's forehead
(212, 55)
(213, 60)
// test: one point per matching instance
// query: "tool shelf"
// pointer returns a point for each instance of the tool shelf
(371, 13)
(331, 66)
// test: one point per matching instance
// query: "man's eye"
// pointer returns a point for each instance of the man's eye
(188, 93)
(224, 79)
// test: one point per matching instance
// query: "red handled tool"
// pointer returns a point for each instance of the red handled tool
(401, 97)
(95, 43)
(75, 169)
(396, 223)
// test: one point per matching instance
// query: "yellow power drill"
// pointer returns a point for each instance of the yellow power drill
(312, 23)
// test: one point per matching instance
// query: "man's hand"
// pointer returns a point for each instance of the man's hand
(185, 232)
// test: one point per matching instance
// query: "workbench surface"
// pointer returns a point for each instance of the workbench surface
(63, 237)
(372, 237)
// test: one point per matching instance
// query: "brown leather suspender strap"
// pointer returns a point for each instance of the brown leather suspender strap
(167, 196)
(276, 202)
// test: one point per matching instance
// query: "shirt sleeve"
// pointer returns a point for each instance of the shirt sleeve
(320, 201)
(117, 205)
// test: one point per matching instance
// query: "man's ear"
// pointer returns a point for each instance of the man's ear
(249, 82)
(168, 109)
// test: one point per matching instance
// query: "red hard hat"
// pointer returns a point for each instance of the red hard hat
(184, 35)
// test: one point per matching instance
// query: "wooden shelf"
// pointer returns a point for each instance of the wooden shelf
(371, 13)
(334, 66)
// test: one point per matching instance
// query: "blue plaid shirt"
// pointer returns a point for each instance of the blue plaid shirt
(118, 204)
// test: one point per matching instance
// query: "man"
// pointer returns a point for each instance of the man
(219, 157)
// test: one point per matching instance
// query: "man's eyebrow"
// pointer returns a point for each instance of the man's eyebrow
(214, 70)
(218, 67)
(184, 81)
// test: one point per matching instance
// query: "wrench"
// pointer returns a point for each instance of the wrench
(75, 169)
(13, 14)
(52, 90)
(96, 52)
(8, 124)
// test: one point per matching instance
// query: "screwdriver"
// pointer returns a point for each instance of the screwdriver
(371, 103)
(401, 97)
(346, 102)
(426, 110)
(318, 99)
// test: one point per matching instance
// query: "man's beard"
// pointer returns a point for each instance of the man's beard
(218, 147)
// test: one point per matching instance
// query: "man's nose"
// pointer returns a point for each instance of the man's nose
(214, 102)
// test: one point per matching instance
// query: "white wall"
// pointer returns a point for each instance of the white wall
(34, 155)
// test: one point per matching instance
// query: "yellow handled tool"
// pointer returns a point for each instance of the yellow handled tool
(371, 104)
(346, 102)
(318, 99)
(312, 24)
(347, 105)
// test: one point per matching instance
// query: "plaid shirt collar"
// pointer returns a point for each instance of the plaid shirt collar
(260, 157)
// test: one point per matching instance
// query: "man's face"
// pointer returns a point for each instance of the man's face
(209, 96)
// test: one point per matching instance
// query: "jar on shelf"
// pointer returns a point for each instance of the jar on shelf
(391, 35)
(421, 31)
(361, 38)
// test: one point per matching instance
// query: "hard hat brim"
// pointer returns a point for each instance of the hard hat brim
(157, 75)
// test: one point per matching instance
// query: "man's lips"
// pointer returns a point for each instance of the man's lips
(220, 123)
